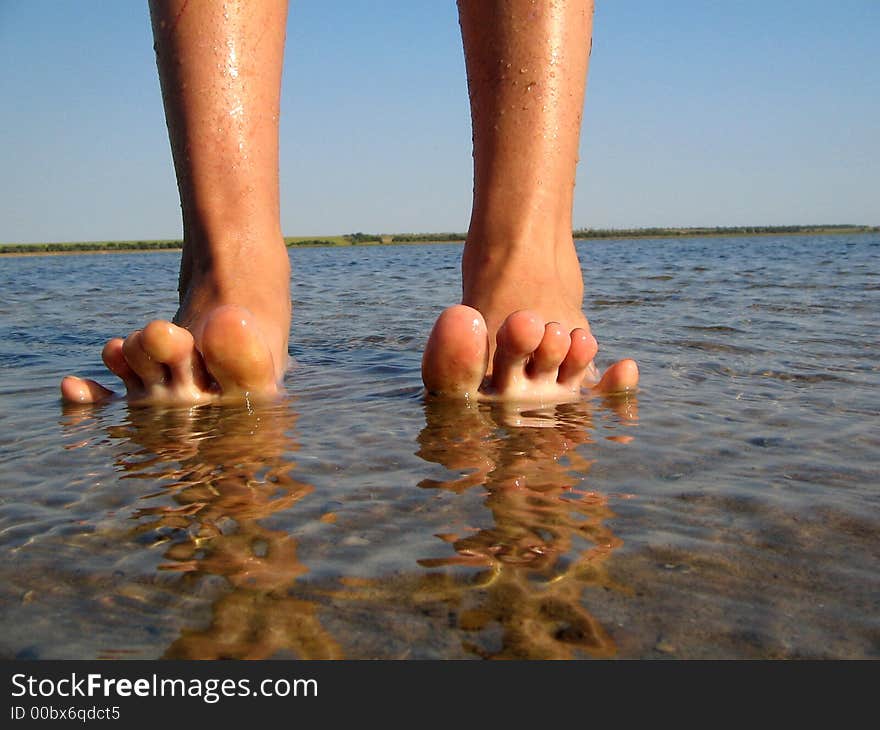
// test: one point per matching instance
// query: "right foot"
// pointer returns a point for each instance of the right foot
(219, 350)
(520, 335)
(532, 362)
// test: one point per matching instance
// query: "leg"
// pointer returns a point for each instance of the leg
(520, 331)
(220, 71)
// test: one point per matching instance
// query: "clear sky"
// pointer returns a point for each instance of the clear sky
(698, 112)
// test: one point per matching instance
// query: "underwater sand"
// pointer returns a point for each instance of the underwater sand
(728, 509)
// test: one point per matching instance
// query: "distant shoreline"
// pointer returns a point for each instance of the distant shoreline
(362, 239)
(82, 252)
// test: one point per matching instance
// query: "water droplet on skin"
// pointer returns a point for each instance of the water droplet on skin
(532, 85)
(523, 70)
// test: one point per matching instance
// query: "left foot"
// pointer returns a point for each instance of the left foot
(228, 342)
(163, 364)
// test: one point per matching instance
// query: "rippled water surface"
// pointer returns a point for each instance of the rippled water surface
(727, 509)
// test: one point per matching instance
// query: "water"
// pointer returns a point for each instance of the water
(728, 509)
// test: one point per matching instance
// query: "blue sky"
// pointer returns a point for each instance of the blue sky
(697, 113)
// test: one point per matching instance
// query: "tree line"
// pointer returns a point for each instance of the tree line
(372, 238)
(89, 246)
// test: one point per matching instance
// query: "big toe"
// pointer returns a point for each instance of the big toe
(237, 354)
(457, 353)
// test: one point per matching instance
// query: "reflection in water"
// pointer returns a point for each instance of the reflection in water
(226, 470)
(547, 542)
(510, 588)
(749, 470)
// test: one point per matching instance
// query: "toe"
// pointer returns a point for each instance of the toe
(576, 365)
(166, 342)
(237, 355)
(619, 378)
(150, 371)
(173, 347)
(551, 352)
(114, 359)
(78, 390)
(457, 353)
(518, 337)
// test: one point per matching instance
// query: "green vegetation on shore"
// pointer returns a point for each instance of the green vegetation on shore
(87, 247)
(353, 239)
(836, 229)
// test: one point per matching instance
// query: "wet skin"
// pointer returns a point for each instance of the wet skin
(532, 361)
(519, 333)
(161, 364)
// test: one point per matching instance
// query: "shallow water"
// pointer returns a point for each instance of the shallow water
(728, 509)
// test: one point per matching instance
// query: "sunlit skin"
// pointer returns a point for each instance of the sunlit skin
(519, 333)
(220, 69)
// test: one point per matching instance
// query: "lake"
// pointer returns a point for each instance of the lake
(728, 509)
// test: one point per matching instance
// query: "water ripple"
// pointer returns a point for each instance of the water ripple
(358, 519)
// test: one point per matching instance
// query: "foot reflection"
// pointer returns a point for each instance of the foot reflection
(519, 541)
(548, 541)
(227, 471)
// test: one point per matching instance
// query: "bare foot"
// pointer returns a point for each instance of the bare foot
(533, 361)
(217, 351)
(496, 350)
(229, 338)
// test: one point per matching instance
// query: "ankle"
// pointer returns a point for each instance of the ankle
(248, 270)
(542, 260)
(233, 261)
(520, 227)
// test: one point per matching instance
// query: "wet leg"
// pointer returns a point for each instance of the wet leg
(220, 71)
(520, 332)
